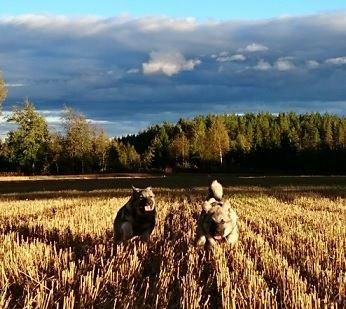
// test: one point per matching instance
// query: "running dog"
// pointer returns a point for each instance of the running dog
(137, 217)
(218, 220)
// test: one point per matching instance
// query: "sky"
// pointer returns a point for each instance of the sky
(206, 9)
(127, 65)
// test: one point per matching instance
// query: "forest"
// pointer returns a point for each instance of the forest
(287, 143)
(283, 143)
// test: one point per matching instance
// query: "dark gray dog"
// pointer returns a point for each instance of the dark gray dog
(137, 217)
(218, 220)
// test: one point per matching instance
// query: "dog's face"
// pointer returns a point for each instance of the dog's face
(143, 200)
(220, 219)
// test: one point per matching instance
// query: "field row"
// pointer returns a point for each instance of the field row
(59, 253)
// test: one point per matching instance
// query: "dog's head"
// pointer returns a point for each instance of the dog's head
(143, 200)
(220, 218)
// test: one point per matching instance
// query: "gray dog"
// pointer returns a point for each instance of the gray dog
(218, 220)
(137, 217)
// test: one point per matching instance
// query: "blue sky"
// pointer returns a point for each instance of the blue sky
(156, 63)
(217, 9)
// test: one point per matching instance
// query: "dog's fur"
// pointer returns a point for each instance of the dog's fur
(137, 217)
(218, 220)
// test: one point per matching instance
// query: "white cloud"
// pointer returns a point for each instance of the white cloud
(4, 116)
(262, 65)
(36, 20)
(132, 71)
(312, 64)
(284, 64)
(223, 54)
(336, 61)
(168, 63)
(254, 47)
(53, 117)
(226, 58)
(153, 24)
(14, 85)
(100, 122)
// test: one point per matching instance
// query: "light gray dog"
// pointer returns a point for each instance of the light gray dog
(137, 217)
(218, 220)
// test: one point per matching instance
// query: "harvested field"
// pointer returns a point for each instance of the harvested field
(58, 253)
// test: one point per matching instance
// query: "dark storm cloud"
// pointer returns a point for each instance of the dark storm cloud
(131, 72)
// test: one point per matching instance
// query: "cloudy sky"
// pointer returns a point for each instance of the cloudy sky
(126, 66)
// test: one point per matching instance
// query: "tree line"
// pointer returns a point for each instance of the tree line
(263, 142)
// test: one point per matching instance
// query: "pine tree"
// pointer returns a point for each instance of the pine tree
(327, 132)
(148, 157)
(160, 147)
(242, 143)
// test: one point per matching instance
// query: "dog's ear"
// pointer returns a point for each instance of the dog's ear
(135, 190)
(227, 206)
(231, 212)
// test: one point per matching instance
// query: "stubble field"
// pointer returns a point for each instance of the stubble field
(58, 253)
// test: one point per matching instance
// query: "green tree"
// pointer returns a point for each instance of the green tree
(284, 122)
(327, 133)
(217, 139)
(198, 138)
(113, 163)
(179, 147)
(242, 144)
(3, 91)
(161, 144)
(28, 143)
(127, 155)
(148, 157)
(311, 138)
(4, 156)
(258, 136)
(78, 136)
(55, 148)
(133, 158)
(100, 148)
(249, 134)
(339, 135)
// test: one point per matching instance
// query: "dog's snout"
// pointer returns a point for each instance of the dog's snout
(213, 228)
(216, 228)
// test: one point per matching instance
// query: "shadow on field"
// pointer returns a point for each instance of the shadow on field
(167, 254)
(80, 245)
(328, 186)
(283, 194)
(210, 293)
